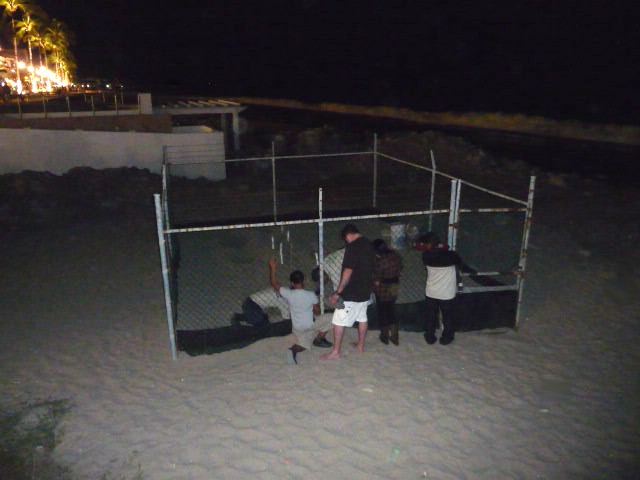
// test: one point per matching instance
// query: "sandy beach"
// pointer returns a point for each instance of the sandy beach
(82, 319)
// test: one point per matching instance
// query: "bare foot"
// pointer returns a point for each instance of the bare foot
(357, 346)
(332, 355)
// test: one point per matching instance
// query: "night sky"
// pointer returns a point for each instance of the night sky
(564, 59)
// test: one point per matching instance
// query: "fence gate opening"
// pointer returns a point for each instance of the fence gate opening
(215, 238)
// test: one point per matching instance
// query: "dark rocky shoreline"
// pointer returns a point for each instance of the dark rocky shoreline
(33, 200)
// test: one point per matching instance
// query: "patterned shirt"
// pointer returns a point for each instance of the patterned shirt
(387, 275)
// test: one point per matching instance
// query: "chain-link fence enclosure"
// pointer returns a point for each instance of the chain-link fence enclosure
(217, 236)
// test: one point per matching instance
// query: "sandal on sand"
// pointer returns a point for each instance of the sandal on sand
(291, 357)
(322, 343)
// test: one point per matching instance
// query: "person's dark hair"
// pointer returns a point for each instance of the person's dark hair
(315, 274)
(349, 228)
(430, 238)
(380, 246)
(296, 277)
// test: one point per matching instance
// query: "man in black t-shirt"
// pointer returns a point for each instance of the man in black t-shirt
(355, 288)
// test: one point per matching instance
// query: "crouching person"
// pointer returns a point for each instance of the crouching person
(303, 305)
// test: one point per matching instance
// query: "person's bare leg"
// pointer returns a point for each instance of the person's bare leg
(338, 333)
(362, 335)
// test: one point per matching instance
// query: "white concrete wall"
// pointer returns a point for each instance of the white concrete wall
(57, 151)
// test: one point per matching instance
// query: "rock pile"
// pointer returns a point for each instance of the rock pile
(40, 199)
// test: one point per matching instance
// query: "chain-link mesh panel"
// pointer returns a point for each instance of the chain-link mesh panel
(401, 186)
(476, 197)
(245, 193)
(285, 139)
(491, 242)
(346, 181)
(214, 270)
(399, 233)
(489, 236)
(354, 182)
(220, 269)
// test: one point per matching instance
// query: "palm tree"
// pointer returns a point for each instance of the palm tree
(68, 66)
(58, 38)
(11, 10)
(37, 38)
(26, 30)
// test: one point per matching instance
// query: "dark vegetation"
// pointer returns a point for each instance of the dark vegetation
(28, 435)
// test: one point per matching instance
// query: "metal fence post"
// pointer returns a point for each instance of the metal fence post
(523, 250)
(68, 105)
(165, 276)
(273, 181)
(321, 249)
(433, 188)
(375, 170)
(454, 212)
(165, 195)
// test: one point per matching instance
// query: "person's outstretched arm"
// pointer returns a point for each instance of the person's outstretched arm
(272, 274)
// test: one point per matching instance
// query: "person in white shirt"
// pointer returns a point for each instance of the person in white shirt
(309, 327)
(442, 266)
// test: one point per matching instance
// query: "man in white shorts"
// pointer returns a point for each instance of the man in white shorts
(303, 304)
(355, 288)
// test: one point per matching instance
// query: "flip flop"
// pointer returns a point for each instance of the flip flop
(291, 357)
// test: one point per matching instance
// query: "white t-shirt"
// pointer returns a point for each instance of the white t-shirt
(441, 283)
(301, 304)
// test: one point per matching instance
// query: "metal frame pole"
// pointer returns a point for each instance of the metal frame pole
(456, 220)
(433, 188)
(165, 276)
(452, 231)
(321, 249)
(375, 170)
(526, 231)
(165, 197)
(273, 181)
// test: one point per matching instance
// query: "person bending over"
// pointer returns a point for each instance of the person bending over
(443, 268)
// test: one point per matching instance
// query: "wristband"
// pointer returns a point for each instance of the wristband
(337, 293)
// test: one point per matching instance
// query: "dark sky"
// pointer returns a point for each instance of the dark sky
(568, 59)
